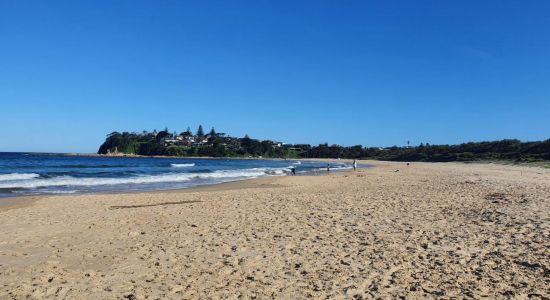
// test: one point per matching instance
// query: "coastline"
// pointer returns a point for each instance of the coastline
(18, 197)
(15, 202)
(419, 231)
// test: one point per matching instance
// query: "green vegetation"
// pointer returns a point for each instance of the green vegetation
(504, 150)
(219, 145)
(186, 143)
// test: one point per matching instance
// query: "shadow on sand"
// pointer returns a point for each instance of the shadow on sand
(156, 204)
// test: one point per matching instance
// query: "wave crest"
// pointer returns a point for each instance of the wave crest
(18, 176)
(218, 176)
(182, 165)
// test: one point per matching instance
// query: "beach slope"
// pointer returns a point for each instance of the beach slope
(418, 231)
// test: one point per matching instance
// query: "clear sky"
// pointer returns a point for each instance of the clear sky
(375, 73)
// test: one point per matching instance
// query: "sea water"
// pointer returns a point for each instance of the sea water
(34, 174)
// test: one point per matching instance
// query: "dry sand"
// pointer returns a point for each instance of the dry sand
(427, 231)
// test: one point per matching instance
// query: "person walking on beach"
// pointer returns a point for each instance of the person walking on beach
(354, 165)
(293, 171)
(328, 168)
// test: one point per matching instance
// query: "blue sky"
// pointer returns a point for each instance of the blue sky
(375, 73)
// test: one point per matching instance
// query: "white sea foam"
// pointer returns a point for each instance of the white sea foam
(182, 165)
(61, 192)
(221, 175)
(18, 176)
(341, 168)
(297, 163)
(334, 168)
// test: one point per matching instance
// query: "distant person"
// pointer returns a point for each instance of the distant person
(354, 165)
(328, 168)
(293, 171)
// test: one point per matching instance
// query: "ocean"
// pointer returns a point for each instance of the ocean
(23, 174)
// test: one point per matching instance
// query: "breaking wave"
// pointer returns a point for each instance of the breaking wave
(219, 176)
(18, 176)
(182, 165)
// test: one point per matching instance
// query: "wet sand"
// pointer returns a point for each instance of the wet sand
(424, 231)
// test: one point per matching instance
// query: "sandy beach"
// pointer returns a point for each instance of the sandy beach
(420, 231)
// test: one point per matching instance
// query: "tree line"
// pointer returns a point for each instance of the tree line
(215, 144)
(509, 149)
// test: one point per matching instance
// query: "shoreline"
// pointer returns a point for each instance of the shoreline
(11, 202)
(15, 202)
(8, 203)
